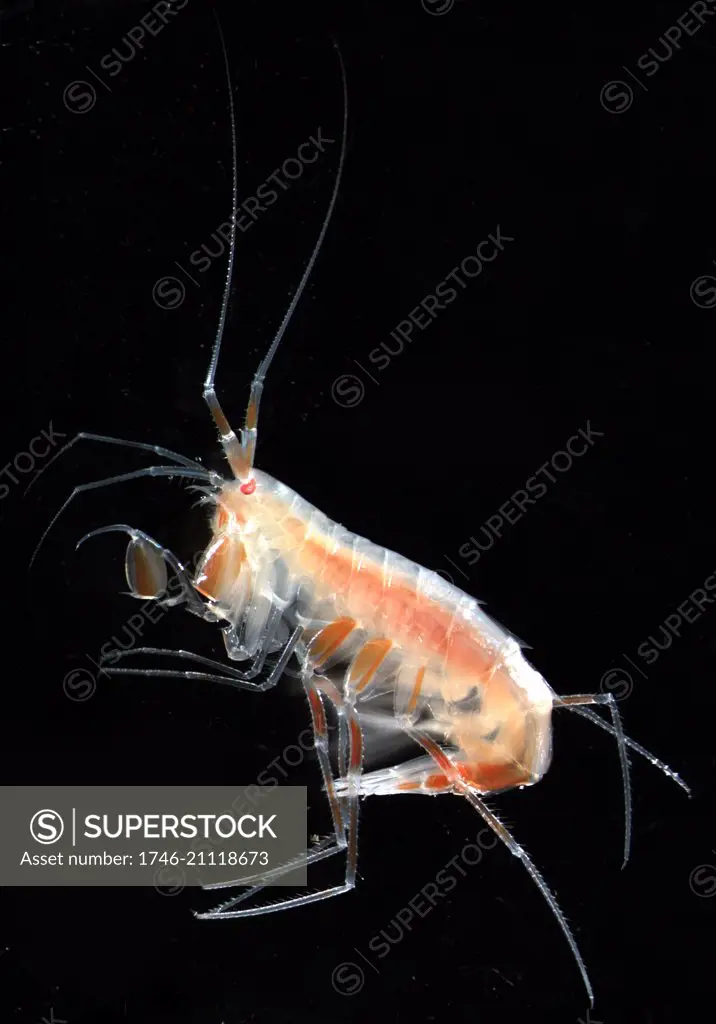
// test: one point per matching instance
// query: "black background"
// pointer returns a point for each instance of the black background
(459, 122)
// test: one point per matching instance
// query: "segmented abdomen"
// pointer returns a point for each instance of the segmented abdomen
(336, 574)
(401, 624)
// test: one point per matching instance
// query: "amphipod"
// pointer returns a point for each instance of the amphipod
(375, 636)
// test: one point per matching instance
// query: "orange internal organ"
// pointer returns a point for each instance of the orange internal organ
(413, 701)
(367, 663)
(406, 615)
(329, 639)
(145, 569)
(220, 566)
(486, 778)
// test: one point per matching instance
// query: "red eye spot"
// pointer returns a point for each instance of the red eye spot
(248, 488)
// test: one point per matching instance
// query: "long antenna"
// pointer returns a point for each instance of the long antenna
(228, 438)
(252, 412)
(241, 454)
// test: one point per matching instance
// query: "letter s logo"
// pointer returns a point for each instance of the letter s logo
(46, 827)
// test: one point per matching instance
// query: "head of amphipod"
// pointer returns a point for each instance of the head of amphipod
(224, 562)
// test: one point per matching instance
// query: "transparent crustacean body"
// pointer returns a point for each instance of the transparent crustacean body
(404, 630)
(384, 642)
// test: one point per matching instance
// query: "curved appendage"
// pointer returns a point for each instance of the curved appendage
(146, 570)
(122, 478)
(506, 836)
(661, 765)
(156, 449)
(461, 788)
(574, 701)
(232, 677)
(346, 828)
(407, 718)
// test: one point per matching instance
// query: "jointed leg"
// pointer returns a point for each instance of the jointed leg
(505, 835)
(170, 471)
(463, 789)
(235, 678)
(326, 847)
(165, 453)
(331, 691)
(592, 717)
(346, 832)
(574, 701)
(141, 560)
(235, 649)
(320, 732)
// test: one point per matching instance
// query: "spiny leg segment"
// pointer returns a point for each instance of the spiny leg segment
(596, 720)
(358, 677)
(574, 701)
(407, 718)
(345, 829)
(462, 788)
(232, 677)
